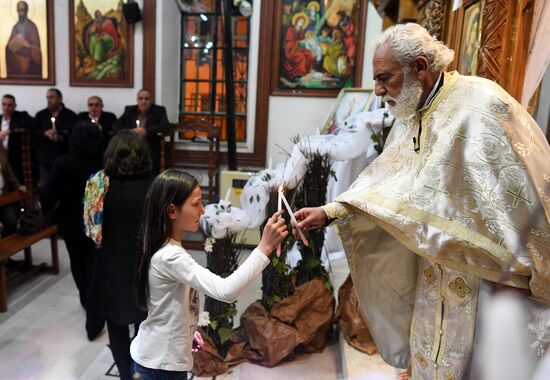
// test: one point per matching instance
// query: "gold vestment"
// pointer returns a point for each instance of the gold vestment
(422, 228)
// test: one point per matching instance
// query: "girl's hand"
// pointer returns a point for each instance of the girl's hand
(274, 232)
(198, 343)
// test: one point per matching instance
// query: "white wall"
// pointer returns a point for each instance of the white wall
(544, 102)
(33, 98)
(289, 116)
(168, 52)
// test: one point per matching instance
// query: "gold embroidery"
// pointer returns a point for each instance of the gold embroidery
(459, 287)
(429, 275)
(420, 358)
(450, 374)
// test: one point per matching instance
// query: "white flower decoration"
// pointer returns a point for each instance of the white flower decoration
(209, 244)
(204, 319)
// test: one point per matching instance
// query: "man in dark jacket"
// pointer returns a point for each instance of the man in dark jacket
(52, 129)
(12, 121)
(104, 120)
(8, 182)
(148, 120)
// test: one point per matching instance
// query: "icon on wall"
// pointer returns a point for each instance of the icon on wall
(26, 42)
(101, 44)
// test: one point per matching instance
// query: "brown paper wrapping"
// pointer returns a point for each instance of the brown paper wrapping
(351, 321)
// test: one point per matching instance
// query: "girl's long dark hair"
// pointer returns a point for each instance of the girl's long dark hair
(171, 187)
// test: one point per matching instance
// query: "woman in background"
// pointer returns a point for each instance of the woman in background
(113, 207)
(63, 192)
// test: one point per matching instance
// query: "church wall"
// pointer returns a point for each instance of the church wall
(289, 116)
(33, 98)
(168, 57)
(544, 102)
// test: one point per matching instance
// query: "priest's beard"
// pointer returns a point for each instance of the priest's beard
(407, 101)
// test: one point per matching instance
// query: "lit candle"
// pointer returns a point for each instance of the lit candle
(53, 122)
(294, 222)
(279, 206)
(137, 123)
(228, 194)
(270, 163)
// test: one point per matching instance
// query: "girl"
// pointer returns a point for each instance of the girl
(168, 278)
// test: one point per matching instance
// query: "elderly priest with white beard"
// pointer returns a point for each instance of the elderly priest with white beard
(456, 207)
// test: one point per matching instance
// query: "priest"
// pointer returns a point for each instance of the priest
(456, 207)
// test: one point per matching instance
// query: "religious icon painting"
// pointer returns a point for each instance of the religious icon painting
(26, 42)
(101, 44)
(317, 46)
(470, 39)
(350, 102)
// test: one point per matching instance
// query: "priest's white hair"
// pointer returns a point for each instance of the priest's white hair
(408, 41)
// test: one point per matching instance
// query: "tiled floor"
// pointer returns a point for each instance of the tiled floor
(42, 336)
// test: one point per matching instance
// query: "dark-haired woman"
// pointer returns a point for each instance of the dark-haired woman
(63, 192)
(168, 278)
(115, 197)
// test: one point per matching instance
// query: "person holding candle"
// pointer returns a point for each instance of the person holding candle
(454, 209)
(103, 119)
(168, 278)
(52, 129)
(147, 120)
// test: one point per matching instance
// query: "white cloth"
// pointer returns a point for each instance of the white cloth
(165, 338)
(221, 220)
(5, 127)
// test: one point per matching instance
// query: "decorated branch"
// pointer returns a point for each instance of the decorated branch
(221, 223)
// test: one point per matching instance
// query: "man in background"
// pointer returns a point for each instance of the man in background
(104, 120)
(147, 120)
(12, 121)
(52, 129)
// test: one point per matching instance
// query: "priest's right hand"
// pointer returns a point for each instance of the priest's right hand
(310, 218)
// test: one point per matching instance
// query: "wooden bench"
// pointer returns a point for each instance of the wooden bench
(14, 243)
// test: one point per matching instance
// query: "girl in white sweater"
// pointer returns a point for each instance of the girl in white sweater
(168, 278)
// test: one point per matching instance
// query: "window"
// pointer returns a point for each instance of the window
(202, 86)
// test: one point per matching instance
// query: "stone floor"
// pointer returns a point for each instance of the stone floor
(42, 336)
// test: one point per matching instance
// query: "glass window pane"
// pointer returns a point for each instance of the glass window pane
(240, 128)
(240, 32)
(189, 64)
(240, 64)
(204, 96)
(189, 96)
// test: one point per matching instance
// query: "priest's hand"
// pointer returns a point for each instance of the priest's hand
(310, 218)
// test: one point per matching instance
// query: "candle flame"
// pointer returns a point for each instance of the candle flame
(52, 119)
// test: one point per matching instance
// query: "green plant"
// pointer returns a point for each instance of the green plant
(277, 278)
(312, 193)
(222, 259)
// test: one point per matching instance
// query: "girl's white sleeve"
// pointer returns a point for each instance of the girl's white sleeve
(181, 267)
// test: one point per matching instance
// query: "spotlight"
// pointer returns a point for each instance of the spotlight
(245, 7)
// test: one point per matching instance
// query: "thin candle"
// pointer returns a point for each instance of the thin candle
(53, 122)
(279, 200)
(137, 123)
(294, 222)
